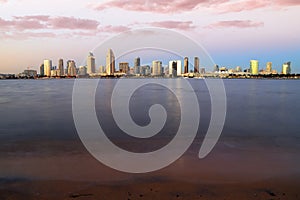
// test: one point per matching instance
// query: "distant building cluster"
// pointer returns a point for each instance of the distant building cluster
(175, 68)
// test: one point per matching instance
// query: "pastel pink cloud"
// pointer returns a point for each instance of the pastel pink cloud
(72, 23)
(236, 24)
(157, 6)
(177, 6)
(181, 25)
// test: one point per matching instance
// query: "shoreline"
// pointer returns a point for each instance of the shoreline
(280, 188)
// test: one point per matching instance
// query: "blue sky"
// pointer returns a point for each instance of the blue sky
(232, 31)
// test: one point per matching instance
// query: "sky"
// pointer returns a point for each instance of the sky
(232, 31)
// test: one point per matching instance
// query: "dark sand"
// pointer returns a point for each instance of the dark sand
(44, 190)
(234, 170)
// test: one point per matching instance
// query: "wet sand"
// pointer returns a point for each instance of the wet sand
(234, 170)
(147, 189)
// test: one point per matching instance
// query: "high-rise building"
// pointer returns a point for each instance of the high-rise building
(61, 67)
(91, 65)
(124, 67)
(82, 71)
(47, 67)
(254, 65)
(42, 70)
(196, 65)
(110, 63)
(202, 70)
(269, 67)
(238, 69)
(186, 65)
(286, 68)
(216, 68)
(137, 65)
(175, 68)
(102, 69)
(156, 68)
(71, 68)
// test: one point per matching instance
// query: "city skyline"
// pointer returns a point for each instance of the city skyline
(232, 32)
(174, 68)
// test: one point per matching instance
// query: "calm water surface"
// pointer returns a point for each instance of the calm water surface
(260, 139)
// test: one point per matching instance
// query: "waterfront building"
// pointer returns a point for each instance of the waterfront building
(91, 65)
(30, 73)
(269, 67)
(72, 68)
(216, 68)
(175, 68)
(186, 65)
(47, 67)
(196, 65)
(202, 70)
(102, 69)
(82, 71)
(61, 67)
(286, 68)
(238, 69)
(124, 67)
(55, 72)
(156, 68)
(254, 65)
(42, 70)
(110, 63)
(137, 65)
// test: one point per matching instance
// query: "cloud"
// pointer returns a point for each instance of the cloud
(186, 25)
(47, 26)
(156, 6)
(73, 23)
(47, 22)
(238, 6)
(178, 6)
(114, 29)
(236, 24)
(287, 2)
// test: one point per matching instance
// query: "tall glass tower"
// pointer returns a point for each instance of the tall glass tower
(110, 63)
(91, 66)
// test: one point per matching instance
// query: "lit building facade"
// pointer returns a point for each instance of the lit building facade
(254, 67)
(186, 65)
(196, 65)
(91, 65)
(110, 63)
(124, 67)
(175, 68)
(156, 68)
(286, 68)
(269, 67)
(71, 68)
(61, 67)
(47, 67)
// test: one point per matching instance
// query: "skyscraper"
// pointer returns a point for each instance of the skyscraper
(110, 63)
(124, 67)
(254, 67)
(91, 65)
(71, 68)
(216, 68)
(286, 68)
(269, 67)
(137, 65)
(156, 68)
(186, 65)
(47, 67)
(196, 65)
(42, 70)
(175, 68)
(61, 67)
